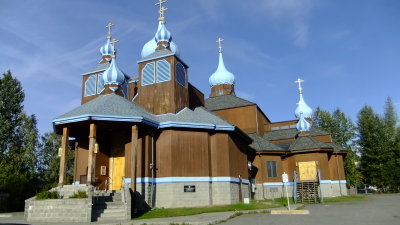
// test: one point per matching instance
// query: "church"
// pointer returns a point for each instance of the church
(159, 136)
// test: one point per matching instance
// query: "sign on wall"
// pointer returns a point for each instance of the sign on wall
(189, 188)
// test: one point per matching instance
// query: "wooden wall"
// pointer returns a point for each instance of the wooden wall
(164, 97)
(336, 174)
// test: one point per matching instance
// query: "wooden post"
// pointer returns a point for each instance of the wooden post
(63, 158)
(134, 156)
(92, 141)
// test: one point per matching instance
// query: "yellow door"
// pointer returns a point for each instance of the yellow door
(118, 172)
(307, 170)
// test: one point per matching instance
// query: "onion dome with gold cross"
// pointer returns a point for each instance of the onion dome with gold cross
(113, 75)
(162, 36)
(302, 110)
(107, 50)
(221, 75)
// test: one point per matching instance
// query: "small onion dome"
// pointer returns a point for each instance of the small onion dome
(303, 124)
(113, 75)
(303, 109)
(162, 33)
(107, 49)
(222, 75)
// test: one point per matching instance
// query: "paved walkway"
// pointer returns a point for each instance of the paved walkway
(200, 219)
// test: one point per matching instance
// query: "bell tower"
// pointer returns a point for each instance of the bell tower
(163, 77)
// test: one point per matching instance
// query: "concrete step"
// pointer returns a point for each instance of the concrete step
(111, 210)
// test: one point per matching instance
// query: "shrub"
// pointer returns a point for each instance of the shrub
(79, 194)
(47, 195)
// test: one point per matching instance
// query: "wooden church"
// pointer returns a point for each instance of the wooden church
(157, 135)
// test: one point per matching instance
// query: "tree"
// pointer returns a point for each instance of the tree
(18, 142)
(343, 133)
(48, 162)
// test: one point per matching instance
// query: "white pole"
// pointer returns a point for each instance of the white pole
(285, 179)
(287, 196)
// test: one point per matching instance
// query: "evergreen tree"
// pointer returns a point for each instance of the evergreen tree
(48, 162)
(343, 133)
(18, 142)
(371, 130)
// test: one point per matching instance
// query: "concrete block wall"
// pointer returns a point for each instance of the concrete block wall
(172, 195)
(59, 210)
(272, 191)
(334, 189)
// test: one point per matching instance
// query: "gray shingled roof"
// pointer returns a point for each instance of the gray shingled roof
(225, 102)
(306, 143)
(99, 67)
(110, 105)
(261, 144)
(290, 133)
(113, 107)
(199, 115)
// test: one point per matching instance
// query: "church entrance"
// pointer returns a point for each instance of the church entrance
(307, 171)
(118, 172)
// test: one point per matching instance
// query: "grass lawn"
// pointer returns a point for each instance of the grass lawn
(161, 213)
(346, 198)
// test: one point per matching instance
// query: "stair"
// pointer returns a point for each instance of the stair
(308, 192)
(108, 206)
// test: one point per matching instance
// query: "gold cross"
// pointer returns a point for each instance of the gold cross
(109, 25)
(113, 44)
(299, 81)
(220, 40)
(162, 10)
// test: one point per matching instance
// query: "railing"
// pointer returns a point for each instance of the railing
(105, 182)
(295, 178)
(320, 186)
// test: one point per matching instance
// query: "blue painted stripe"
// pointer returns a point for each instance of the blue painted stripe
(278, 184)
(190, 179)
(333, 182)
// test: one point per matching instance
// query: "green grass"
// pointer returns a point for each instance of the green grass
(346, 198)
(79, 194)
(47, 195)
(162, 213)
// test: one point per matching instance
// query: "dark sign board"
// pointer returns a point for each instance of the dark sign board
(189, 188)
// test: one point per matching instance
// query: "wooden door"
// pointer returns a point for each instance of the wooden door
(307, 170)
(118, 172)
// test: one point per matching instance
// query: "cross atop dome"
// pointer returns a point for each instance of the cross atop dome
(113, 45)
(299, 81)
(162, 10)
(219, 40)
(109, 25)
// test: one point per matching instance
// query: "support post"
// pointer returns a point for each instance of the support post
(92, 142)
(134, 156)
(63, 158)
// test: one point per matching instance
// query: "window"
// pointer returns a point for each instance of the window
(148, 74)
(90, 85)
(271, 169)
(163, 71)
(100, 83)
(180, 76)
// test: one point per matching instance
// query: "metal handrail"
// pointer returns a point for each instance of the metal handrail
(103, 182)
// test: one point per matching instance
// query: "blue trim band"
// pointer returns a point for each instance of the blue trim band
(333, 182)
(278, 184)
(190, 180)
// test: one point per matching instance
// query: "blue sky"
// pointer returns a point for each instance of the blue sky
(348, 52)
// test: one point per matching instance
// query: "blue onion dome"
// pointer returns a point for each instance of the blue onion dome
(303, 124)
(303, 109)
(107, 49)
(113, 75)
(151, 46)
(162, 33)
(222, 75)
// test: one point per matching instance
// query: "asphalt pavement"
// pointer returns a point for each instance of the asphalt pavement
(377, 210)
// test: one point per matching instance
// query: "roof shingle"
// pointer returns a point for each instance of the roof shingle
(226, 102)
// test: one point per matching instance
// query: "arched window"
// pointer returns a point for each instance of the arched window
(90, 85)
(180, 75)
(100, 83)
(163, 71)
(148, 74)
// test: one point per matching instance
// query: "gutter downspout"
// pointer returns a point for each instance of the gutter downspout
(337, 169)
(152, 167)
